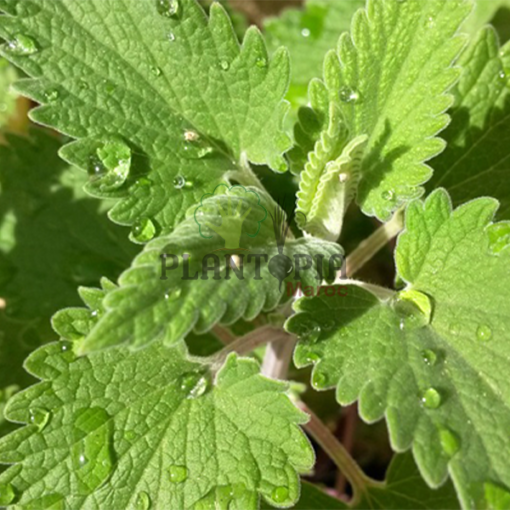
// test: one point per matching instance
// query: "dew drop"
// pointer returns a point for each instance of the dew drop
(319, 380)
(280, 494)
(51, 95)
(310, 331)
(7, 494)
(429, 357)
(143, 501)
(171, 36)
(39, 417)
(224, 65)
(143, 182)
(168, 8)
(430, 22)
(502, 75)
(91, 453)
(22, 45)
(261, 62)
(387, 195)
(66, 346)
(179, 182)
(483, 333)
(177, 474)
(343, 177)
(449, 442)
(305, 32)
(348, 95)
(414, 309)
(431, 399)
(328, 324)
(143, 231)
(173, 295)
(109, 167)
(312, 357)
(194, 384)
(156, 71)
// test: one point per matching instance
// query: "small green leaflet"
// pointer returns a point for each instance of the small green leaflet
(390, 77)
(433, 360)
(330, 179)
(477, 159)
(7, 98)
(173, 86)
(119, 428)
(404, 490)
(146, 308)
(308, 34)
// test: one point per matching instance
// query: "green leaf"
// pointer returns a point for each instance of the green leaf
(196, 292)
(308, 34)
(433, 360)
(330, 179)
(477, 159)
(390, 77)
(7, 98)
(52, 237)
(483, 13)
(122, 429)
(185, 98)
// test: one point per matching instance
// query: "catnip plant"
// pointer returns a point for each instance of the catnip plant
(226, 249)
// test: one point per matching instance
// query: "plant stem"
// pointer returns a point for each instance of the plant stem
(373, 244)
(277, 358)
(339, 455)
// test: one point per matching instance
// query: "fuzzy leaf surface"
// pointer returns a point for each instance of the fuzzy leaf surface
(442, 385)
(146, 308)
(391, 76)
(476, 160)
(126, 427)
(176, 88)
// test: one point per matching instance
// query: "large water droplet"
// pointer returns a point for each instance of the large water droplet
(431, 399)
(91, 453)
(39, 417)
(179, 182)
(173, 295)
(168, 8)
(349, 95)
(449, 442)
(484, 333)
(414, 309)
(110, 166)
(143, 231)
(7, 494)
(194, 384)
(319, 380)
(177, 474)
(143, 501)
(22, 45)
(280, 494)
(309, 331)
(429, 357)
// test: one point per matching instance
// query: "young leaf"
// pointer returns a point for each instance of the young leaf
(122, 429)
(52, 237)
(164, 101)
(476, 159)
(433, 359)
(219, 238)
(308, 34)
(390, 77)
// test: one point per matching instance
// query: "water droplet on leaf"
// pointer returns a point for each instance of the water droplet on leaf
(39, 417)
(143, 231)
(156, 71)
(387, 195)
(143, 501)
(178, 474)
(312, 357)
(168, 8)
(224, 65)
(449, 442)
(22, 45)
(280, 494)
(348, 95)
(429, 357)
(171, 36)
(109, 167)
(305, 32)
(414, 309)
(91, 453)
(310, 331)
(484, 333)
(431, 399)
(173, 295)
(194, 384)
(319, 380)
(179, 182)
(7, 494)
